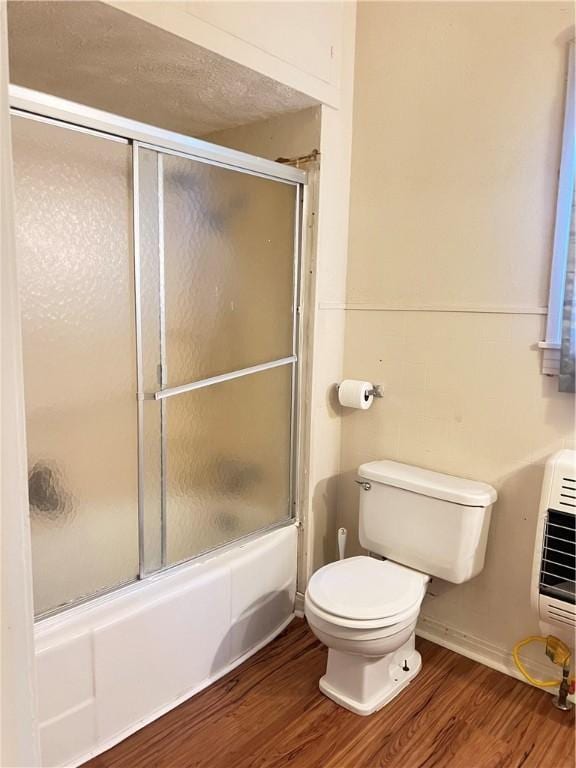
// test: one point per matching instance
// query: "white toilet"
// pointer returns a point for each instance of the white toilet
(365, 609)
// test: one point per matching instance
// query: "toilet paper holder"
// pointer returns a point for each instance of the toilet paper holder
(358, 394)
(376, 391)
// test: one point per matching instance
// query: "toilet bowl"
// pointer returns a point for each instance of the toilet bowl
(365, 611)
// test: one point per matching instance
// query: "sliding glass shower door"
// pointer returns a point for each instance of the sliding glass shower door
(159, 300)
(224, 350)
(74, 239)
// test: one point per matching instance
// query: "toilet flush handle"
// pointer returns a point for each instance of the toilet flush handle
(364, 484)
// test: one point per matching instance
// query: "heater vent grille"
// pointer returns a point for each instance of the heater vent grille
(558, 566)
(567, 492)
(562, 615)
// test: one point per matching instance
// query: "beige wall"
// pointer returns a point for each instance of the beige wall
(290, 135)
(457, 125)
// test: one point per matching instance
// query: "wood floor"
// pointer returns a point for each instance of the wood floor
(269, 712)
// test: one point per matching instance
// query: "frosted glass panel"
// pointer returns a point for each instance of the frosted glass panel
(229, 262)
(227, 461)
(73, 222)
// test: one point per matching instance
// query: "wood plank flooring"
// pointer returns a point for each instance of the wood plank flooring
(269, 712)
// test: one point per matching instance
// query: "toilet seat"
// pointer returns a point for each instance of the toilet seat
(366, 593)
(355, 630)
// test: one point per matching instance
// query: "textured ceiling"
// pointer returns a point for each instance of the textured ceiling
(93, 54)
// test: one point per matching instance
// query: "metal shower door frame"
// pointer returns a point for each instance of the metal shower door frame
(162, 394)
(51, 109)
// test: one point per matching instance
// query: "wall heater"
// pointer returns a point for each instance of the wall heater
(554, 568)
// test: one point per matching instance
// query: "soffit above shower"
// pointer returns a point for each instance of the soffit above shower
(93, 54)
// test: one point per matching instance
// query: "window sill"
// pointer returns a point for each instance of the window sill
(550, 357)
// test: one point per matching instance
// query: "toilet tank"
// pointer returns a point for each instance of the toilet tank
(434, 523)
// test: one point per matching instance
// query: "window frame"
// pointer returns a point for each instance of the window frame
(564, 204)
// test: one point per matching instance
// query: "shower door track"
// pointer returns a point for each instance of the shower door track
(79, 117)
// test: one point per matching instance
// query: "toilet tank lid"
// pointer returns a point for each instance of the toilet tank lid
(458, 490)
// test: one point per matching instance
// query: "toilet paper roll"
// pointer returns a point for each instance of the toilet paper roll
(354, 394)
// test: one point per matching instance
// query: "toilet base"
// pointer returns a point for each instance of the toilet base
(365, 684)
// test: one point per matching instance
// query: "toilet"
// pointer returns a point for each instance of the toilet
(415, 524)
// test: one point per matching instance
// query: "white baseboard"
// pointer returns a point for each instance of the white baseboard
(482, 651)
(299, 605)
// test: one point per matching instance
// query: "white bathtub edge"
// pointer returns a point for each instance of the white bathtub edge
(172, 705)
(105, 672)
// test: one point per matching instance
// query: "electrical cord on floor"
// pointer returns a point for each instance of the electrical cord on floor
(557, 651)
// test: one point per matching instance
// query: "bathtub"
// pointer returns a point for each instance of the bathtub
(108, 667)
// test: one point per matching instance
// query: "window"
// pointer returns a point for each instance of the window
(558, 349)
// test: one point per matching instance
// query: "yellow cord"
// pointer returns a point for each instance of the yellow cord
(522, 668)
